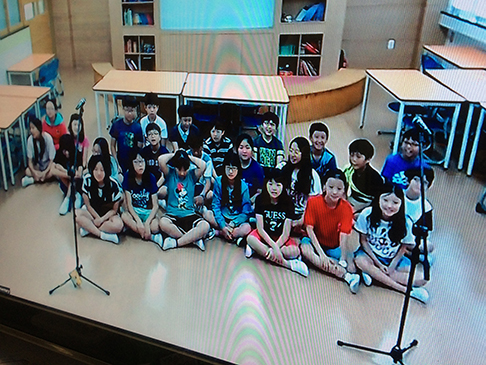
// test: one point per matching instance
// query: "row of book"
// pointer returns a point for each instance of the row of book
(307, 68)
(133, 18)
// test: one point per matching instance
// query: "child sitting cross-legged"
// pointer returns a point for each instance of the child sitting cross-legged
(328, 223)
(217, 146)
(153, 150)
(102, 196)
(231, 202)
(322, 159)
(271, 239)
(182, 223)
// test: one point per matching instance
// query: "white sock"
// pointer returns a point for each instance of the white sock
(110, 237)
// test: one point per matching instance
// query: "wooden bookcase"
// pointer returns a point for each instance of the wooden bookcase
(137, 13)
(139, 52)
(300, 54)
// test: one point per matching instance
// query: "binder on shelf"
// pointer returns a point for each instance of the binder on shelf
(131, 64)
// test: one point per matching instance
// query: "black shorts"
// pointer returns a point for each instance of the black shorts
(185, 224)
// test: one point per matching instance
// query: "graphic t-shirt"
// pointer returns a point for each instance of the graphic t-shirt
(141, 194)
(127, 137)
(274, 216)
(377, 237)
(300, 199)
(180, 192)
(267, 153)
(102, 199)
(394, 169)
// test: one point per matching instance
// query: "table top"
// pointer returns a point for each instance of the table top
(264, 89)
(159, 82)
(31, 63)
(413, 86)
(460, 56)
(23, 91)
(470, 84)
(12, 107)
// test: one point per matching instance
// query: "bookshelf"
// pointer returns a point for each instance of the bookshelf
(300, 54)
(137, 13)
(139, 52)
(302, 11)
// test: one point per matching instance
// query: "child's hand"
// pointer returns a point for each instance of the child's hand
(227, 233)
(198, 200)
(97, 222)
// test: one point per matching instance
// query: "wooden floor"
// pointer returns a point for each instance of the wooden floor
(244, 310)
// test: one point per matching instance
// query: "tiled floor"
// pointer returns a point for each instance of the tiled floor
(247, 311)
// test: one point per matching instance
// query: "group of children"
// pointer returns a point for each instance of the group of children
(291, 211)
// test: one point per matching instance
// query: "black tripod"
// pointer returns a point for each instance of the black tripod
(420, 231)
(76, 275)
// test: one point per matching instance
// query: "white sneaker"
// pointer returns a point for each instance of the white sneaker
(64, 208)
(157, 238)
(299, 267)
(79, 201)
(421, 294)
(367, 279)
(343, 263)
(83, 232)
(169, 243)
(27, 180)
(248, 251)
(110, 237)
(162, 204)
(353, 282)
(200, 243)
(239, 241)
(211, 234)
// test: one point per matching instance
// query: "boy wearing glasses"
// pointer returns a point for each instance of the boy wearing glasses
(126, 134)
(152, 107)
(268, 149)
(406, 159)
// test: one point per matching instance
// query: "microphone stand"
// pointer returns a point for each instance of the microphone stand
(76, 275)
(420, 231)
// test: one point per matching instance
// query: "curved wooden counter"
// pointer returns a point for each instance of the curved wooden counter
(313, 98)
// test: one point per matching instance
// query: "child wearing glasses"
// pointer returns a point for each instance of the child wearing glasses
(268, 149)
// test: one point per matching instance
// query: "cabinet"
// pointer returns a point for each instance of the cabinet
(137, 12)
(139, 52)
(300, 54)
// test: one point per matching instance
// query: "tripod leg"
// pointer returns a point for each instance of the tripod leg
(94, 284)
(57, 287)
(364, 348)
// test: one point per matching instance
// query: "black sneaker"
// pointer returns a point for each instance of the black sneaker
(479, 209)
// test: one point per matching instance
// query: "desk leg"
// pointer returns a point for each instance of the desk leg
(365, 102)
(23, 138)
(398, 132)
(283, 110)
(2, 163)
(474, 150)
(9, 157)
(465, 137)
(450, 142)
(98, 118)
(107, 109)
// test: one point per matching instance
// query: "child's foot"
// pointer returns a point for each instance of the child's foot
(110, 237)
(169, 243)
(421, 294)
(83, 232)
(211, 234)
(27, 180)
(157, 238)
(479, 208)
(79, 201)
(200, 243)
(353, 281)
(367, 280)
(240, 241)
(64, 208)
(299, 267)
(248, 251)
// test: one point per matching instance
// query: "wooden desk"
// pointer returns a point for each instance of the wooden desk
(411, 87)
(459, 56)
(239, 89)
(137, 83)
(12, 109)
(29, 66)
(471, 85)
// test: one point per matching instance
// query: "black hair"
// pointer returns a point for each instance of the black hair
(335, 174)
(318, 127)
(398, 229)
(66, 143)
(271, 117)
(219, 125)
(428, 173)
(105, 151)
(93, 188)
(231, 159)
(77, 117)
(363, 146)
(195, 142)
(53, 101)
(412, 133)
(277, 175)
(180, 160)
(131, 170)
(129, 101)
(242, 137)
(304, 176)
(152, 127)
(151, 99)
(185, 111)
(38, 151)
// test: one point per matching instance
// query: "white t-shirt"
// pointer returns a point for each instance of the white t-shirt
(413, 208)
(49, 153)
(144, 122)
(378, 239)
(300, 199)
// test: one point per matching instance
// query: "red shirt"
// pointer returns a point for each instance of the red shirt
(328, 223)
(55, 131)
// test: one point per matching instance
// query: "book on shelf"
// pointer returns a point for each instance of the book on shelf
(311, 48)
(306, 68)
(131, 64)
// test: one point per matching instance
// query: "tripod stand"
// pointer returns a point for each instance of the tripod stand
(420, 231)
(76, 275)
